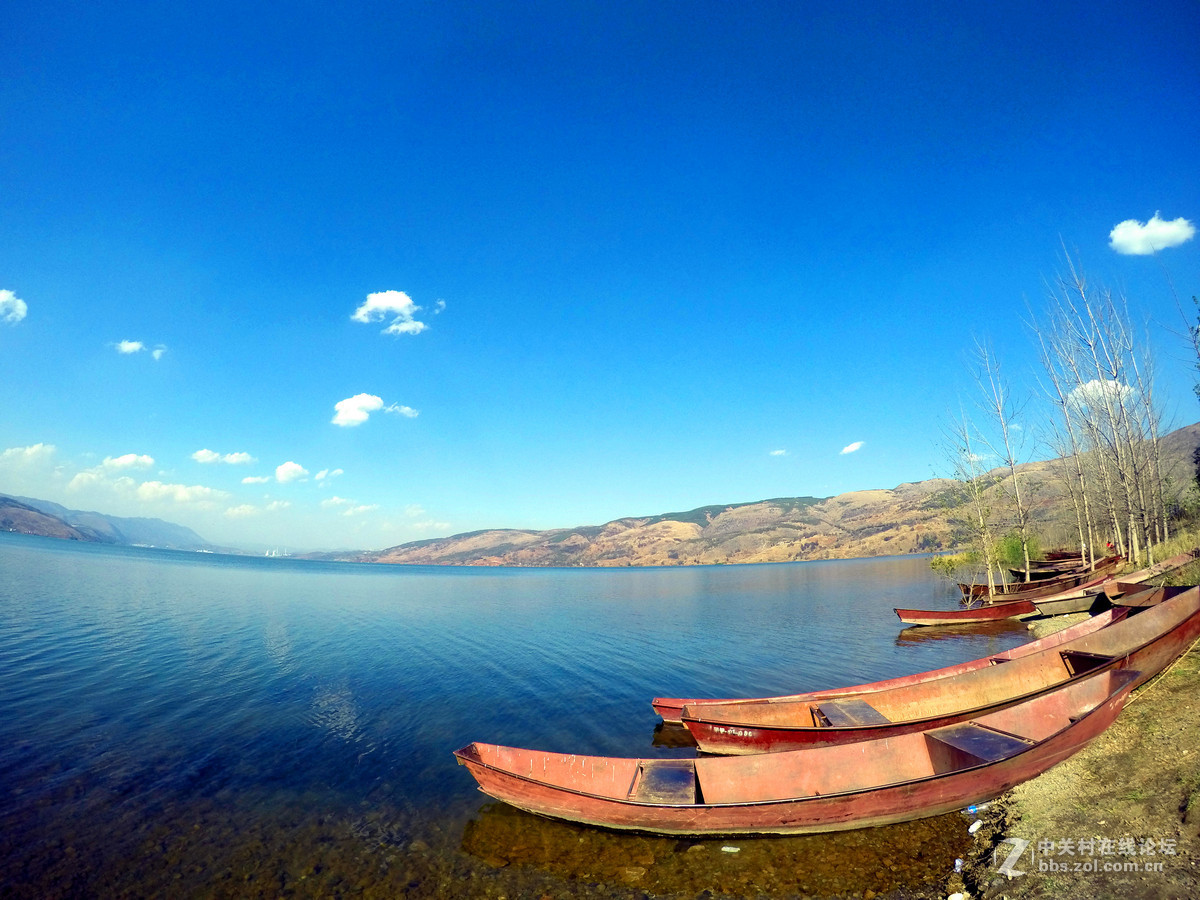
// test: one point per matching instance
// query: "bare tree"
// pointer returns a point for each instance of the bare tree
(1104, 389)
(966, 464)
(998, 407)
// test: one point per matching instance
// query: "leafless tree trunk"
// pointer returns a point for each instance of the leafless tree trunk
(1105, 390)
(998, 408)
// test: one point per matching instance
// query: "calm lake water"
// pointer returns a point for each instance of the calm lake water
(194, 725)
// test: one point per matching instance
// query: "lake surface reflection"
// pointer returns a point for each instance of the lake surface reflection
(197, 725)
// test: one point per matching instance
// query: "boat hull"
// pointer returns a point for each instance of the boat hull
(671, 708)
(1147, 642)
(992, 612)
(807, 791)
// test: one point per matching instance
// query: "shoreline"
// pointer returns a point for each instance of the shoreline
(1120, 818)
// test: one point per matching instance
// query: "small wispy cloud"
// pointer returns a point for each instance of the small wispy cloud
(349, 507)
(179, 493)
(357, 409)
(31, 454)
(12, 308)
(1134, 238)
(246, 510)
(128, 348)
(852, 448)
(290, 471)
(327, 474)
(234, 459)
(396, 306)
(128, 461)
(778, 453)
(256, 479)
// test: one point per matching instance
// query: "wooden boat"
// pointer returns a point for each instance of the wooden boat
(994, 610)
(670, 708)
(988, 612)
(1148, 642)
(1045, 586)
(1088, 597)
(876, 782)
(1138, 596)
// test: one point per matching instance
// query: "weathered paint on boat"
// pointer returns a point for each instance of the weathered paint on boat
(988, 612)
(670, 708)
(1147, 642)
(1093, 597)
(876, 782)
(997, 609)
(1044, 587)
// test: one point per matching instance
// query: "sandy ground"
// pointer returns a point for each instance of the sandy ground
(1120, 819)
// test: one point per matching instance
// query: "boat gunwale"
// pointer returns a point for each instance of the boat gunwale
(1127, 676)
(1113, 663)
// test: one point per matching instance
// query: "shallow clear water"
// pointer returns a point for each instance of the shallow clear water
(204, 725)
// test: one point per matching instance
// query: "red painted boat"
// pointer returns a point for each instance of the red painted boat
(1148, 642)
(670, 708)
(971, 615)
(822, 789)
(1045, 586)
(998, 609)
(1091, 596)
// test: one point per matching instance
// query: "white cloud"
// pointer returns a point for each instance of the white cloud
(34, 453)
(128, 461)
(290, 471)
(335, 501)
(12, 308)
(128, 348)
(179, 493)
(1133, 238)
(394, 305)
(359, 510)
(1097, 395)
(355, 410)
(852, 448)
(778, 453)
(247, 510)
(256, 479)
(233, 459)
(328, 473)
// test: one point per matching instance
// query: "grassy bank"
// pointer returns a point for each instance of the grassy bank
(1119, 819)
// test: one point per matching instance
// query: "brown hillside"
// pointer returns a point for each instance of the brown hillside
(911, 518)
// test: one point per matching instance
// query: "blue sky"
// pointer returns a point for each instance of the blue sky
(575, 260)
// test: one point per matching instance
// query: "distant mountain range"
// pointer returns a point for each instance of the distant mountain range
(30, 516)
(911, 518)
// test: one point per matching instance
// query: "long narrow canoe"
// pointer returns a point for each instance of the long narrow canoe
(1045, 586)
(823, 789)
(995, 610)
(1088, 597)
(1148, 642)
(670, 708)
(972, 615)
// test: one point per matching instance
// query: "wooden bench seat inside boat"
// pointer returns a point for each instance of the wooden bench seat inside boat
(1078, 662)
(850, 712)
(664, 781)
(979, 741)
